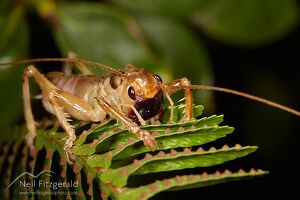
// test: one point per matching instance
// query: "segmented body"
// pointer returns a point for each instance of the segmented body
(84, 87)
(88, 87)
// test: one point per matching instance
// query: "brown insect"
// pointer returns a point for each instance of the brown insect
(132, 97)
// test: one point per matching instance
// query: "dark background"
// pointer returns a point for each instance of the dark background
(271, 72)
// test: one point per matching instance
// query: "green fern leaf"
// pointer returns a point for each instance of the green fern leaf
(107, 155)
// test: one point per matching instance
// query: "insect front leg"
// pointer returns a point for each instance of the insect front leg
(176, 85)
(145, 136)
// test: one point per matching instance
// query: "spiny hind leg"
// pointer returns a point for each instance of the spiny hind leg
(176, 85)
(49, 89)
(61, 100)
(62, 117)
(74, 60)
(45, 85)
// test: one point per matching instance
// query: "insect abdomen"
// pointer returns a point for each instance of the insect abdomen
(77, 85)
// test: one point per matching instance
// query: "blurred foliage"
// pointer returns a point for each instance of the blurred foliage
(163, 36)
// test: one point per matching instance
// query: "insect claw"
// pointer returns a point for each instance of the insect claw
(29, 137)
(70, 157)
(148, 140)
(186, 117)
(67, 146)
(152, 144)
(170, 121)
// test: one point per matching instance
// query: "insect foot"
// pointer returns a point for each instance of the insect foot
(185, 119)
(67, 148)
(29, 137)
(148, 140)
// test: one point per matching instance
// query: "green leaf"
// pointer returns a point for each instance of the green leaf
(124, 144)
(102, 142)
(192, 138)
(14, 34)
(171, 8)
(109, 178)
(186, 182)
(177, 139)
(248, 22)
(98, 32)
(13, 46)
(195, 159)
(109, 135)
(100, 128)
(174, 161)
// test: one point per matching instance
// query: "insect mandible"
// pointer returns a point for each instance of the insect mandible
(133, 97)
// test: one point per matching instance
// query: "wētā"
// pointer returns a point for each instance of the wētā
(132, 97)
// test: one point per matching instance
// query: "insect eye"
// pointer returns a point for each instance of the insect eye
(158, 78)
(131, 93)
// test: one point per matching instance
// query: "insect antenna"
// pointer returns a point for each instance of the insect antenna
(35, 60)
(243, 94)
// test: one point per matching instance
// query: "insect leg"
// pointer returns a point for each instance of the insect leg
(64, 122)
(47, 87)
(67, 68)
(176, 85)
(78, 64)
(148, 140)
(59, 101)
(30, 123)
(77, 105)
(172, 107)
